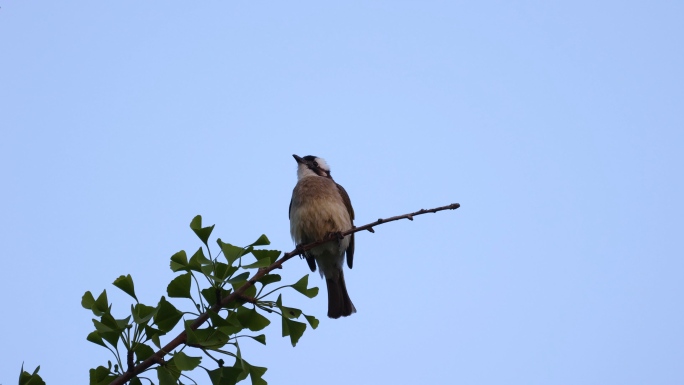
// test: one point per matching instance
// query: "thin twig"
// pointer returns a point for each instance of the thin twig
(158, 357)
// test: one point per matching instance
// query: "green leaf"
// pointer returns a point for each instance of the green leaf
(87, 301)
(125, 283)
(251, 319)
(288, 312)
(269, 278)
(239, 278)
(207, 270)
(262, 241)
(233, 318)
(261, 338)
(249, 292)
(135, 381)
(224, 375)
(123, 323)
(142, 313)
(108, 331)
(223, 271)
(165, 376)
(101, 304)
(197, 260)
(179, 261)
(257, 264)
(301, 286)
(313, 321)
(209, 337)
(240, 363)
(26, 378)
(229, 325)
(153, 335)
(185, 362)
(179, 287)
(95, 338)
(167, 316)
(156, 341)
(112, 338)
(142, 352)
(293, 329)
(230, 252)
(311, 292)
(269, 255)
(255, 374)
(216, 319)
(109, 321)
(202, 232)
(102, 328)
(101, 376)
(210, 294)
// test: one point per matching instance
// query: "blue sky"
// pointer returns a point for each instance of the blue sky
(557, 126)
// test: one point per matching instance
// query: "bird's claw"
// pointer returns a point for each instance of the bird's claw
(300, 250)
(336, 236)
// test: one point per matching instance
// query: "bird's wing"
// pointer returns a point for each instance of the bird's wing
(350, 252)
(310, 260)
(350, 209)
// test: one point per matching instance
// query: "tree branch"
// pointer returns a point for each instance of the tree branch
(158, 357)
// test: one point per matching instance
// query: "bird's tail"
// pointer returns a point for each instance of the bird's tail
(339, 303)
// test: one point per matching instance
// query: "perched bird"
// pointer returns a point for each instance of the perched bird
(320, 207)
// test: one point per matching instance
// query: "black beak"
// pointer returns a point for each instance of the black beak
(298, 158)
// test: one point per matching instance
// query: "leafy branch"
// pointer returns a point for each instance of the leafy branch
(228, 291)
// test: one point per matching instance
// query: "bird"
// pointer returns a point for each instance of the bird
(320, 208)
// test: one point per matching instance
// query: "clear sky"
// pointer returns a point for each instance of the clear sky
(558, 126)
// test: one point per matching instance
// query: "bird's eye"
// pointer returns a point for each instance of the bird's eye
(315, 164)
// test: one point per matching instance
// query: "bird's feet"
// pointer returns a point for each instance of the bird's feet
(300, 250)
(335, 236)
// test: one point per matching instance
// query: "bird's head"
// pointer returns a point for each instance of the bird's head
(311, 166)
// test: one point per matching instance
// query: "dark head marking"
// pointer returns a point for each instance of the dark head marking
(317, 165)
